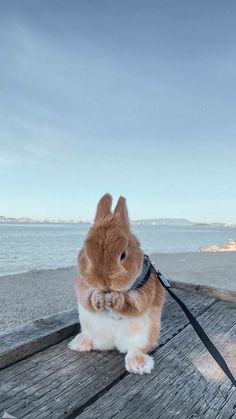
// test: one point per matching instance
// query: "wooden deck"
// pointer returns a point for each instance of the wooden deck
(41, 378)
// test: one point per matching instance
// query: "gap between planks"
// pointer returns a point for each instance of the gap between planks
(60, 371)
(186, 382)
(26, 340)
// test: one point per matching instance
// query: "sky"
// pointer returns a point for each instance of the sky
(136, 98)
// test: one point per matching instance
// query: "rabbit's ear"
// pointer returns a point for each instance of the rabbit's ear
(104, 207)
(121, 209)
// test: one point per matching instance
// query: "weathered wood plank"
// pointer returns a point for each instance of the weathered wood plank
(186, 382)
(33, 337)
(218, 293)
(58, 382)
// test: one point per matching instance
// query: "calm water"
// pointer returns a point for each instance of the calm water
(31, 247)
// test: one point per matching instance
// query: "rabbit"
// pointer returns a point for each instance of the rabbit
(112, 315)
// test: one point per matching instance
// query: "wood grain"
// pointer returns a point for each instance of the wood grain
(57, 382)
(218, 293)
(33, 337)
(186, 382)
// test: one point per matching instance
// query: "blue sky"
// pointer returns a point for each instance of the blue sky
(128, 97)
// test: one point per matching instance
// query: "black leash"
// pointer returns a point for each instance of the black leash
(197, 327)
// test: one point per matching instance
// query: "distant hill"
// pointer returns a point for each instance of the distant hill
(142, 221)
(25, 220)
(164, 221)
(14, 220)
(151, 221)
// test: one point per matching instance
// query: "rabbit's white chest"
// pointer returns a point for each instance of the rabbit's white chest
(108, 330)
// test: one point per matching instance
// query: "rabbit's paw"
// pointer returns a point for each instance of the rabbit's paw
(80, 343)
(114, 300)
(139, 363)
(98, 300)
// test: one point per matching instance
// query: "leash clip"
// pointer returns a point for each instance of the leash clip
(163, 279)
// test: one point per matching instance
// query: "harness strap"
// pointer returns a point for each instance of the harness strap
(144, 274)
(197, 327)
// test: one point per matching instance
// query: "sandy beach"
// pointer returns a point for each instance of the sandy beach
(28, 296)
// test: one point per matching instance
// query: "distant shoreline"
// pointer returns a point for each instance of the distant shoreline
(37, 223)
(157, 222)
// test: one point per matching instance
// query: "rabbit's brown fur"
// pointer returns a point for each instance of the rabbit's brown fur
(103, 289)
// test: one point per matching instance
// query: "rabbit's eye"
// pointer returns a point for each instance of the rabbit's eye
(123, 254)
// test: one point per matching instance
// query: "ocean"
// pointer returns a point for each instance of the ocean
(27, 247)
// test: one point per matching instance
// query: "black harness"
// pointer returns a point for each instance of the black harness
(148, 268)
(144, 274)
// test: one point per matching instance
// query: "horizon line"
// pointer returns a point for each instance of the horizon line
(5, 220)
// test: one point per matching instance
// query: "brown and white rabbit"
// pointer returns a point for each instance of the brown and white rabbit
(111, 314)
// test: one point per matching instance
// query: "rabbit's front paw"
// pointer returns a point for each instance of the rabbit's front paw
(114, 300)
(98, 300)
(139, 363)
(80, 343)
